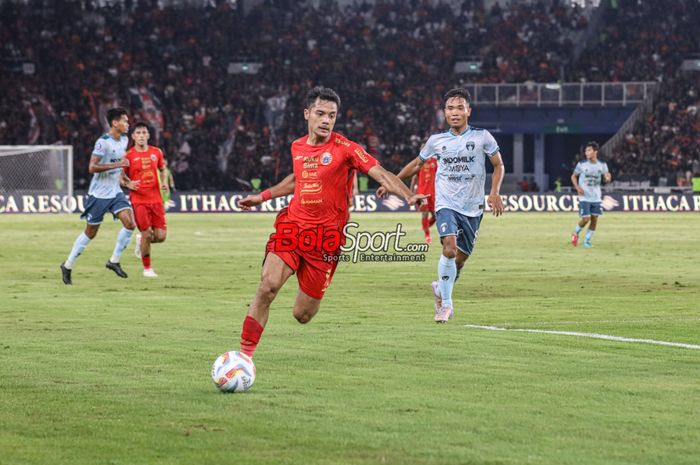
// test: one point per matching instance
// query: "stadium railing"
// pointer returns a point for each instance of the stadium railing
(562, 94)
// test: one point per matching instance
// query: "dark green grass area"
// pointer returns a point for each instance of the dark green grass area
(114, 371)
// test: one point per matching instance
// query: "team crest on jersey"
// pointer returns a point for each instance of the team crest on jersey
(326, 158)
(153, 157)
(470, 145)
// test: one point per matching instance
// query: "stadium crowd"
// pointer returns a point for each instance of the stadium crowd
(387, 62)
(221, 127)
(641, 41)
(648, 41)
(665, 146)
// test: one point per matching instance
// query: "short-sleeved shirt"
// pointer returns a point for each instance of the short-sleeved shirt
(590, 176)
(145, 167)
(105, 185)
(324, 177)
(461, 172)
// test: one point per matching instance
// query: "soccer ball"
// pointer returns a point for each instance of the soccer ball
(233, 372)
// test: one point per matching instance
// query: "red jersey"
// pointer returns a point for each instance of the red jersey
(144, 167)
(426, 177)
(324, 180)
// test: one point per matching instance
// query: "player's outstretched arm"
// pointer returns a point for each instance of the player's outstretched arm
(494, 200)
(407, 171)
(392, 183)
(284, 187)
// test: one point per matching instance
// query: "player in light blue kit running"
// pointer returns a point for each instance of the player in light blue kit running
(105, 194)
(586, 180)
(461, 153)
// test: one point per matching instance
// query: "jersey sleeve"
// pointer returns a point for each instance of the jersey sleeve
(100, 148)
(605, 168)
(360, 159)
(490, 145)
(577, 170)
(428, 149)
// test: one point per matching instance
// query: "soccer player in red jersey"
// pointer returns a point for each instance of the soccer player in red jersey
(147, 164)
(309, 231)
(425, 182)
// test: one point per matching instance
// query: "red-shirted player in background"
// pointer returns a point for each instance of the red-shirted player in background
(323, 164)
(147, 164)
(425, 179)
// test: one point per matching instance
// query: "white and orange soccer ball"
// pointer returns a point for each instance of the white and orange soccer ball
(233, 372)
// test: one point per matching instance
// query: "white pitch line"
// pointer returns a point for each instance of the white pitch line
(581, 322)
(606, 337)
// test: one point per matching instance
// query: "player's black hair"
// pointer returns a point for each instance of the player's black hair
(457, 92)
(114, 114)
(323, 93)
(141, 124)
(592, 144)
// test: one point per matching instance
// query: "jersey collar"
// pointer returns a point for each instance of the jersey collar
(466, 130)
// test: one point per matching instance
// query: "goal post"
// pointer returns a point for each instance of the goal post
(36, 169)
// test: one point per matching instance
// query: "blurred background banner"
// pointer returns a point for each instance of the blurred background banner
(227, 202)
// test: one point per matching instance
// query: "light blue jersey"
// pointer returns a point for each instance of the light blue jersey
(461, 173)
(105, 185)
(590, 176)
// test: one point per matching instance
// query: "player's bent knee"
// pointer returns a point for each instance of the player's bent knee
(268, 288)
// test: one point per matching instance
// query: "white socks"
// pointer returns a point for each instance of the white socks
(447, 272)
(78, 246)
(122, 243)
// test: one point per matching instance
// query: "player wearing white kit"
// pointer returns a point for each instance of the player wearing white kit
(105, 194)
(586, 179)
(461, 153)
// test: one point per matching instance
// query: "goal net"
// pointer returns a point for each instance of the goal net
(36, 169)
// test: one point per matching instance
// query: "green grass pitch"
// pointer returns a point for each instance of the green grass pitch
(113, 371)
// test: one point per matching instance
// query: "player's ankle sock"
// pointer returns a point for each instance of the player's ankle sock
(447, 271)
(78, 246)
(578, 230)
(589, 235)
(123, 239)
(250, 336)
(146, 260)
(426, 228)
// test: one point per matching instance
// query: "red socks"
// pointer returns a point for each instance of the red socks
(432, 221)
(146, 260)
(426, 226)
(250, 336)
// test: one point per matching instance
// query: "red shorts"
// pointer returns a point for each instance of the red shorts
(428, 205)
(149, 215)
(313, 272)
